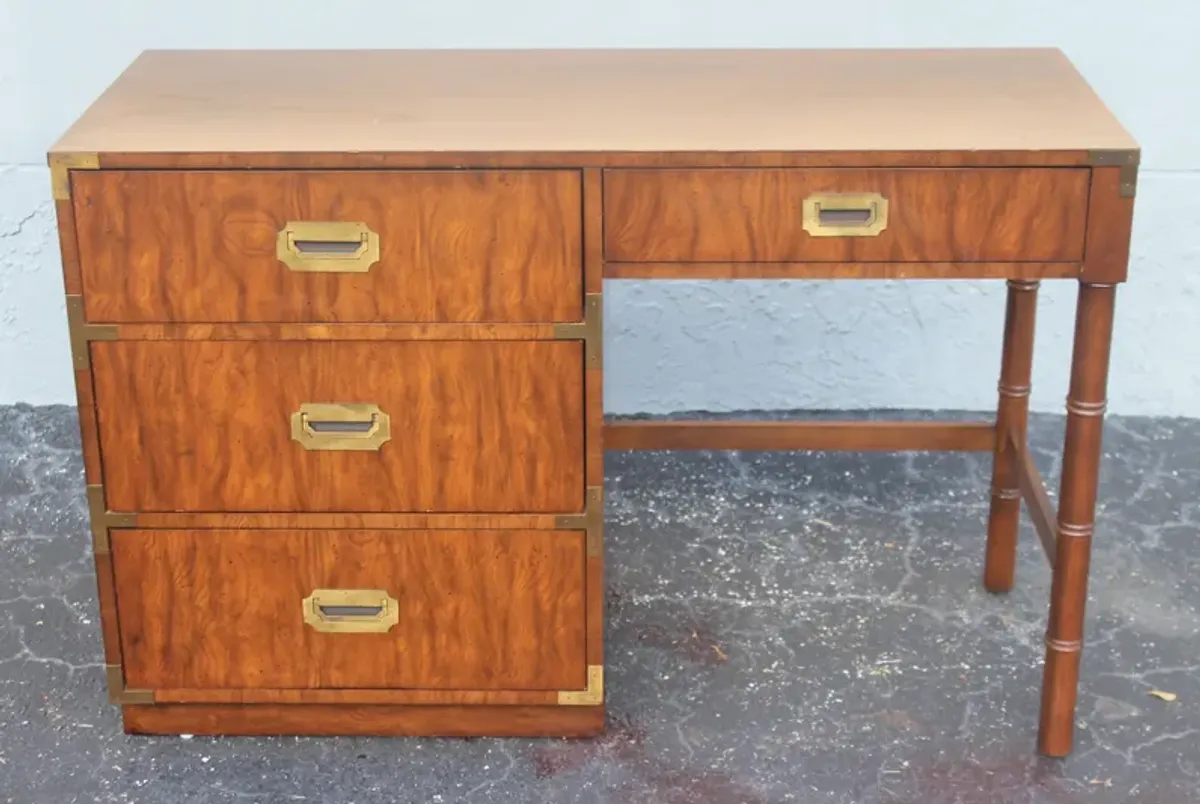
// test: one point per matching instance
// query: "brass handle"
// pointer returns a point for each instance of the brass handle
(351, 611)
(327, 247)
(845, 214)
(340, 426)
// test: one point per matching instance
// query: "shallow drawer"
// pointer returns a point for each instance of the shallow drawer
(471, 426)
(470, 610)
(845, 215)
(397, 246)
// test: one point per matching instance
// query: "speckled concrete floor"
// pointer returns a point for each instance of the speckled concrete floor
(782, 627)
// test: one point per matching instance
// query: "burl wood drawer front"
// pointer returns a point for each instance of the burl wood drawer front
(202, 246)
(473, 426)
(757, 215)
(468, 610)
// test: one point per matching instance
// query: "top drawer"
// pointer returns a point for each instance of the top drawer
(845, 215)
(452, 246)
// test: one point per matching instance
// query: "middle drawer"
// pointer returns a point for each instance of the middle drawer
(324, 426)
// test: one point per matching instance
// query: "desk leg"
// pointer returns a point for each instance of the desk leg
(1076, 515)
(1012, 414)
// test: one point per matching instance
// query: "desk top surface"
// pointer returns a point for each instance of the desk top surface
(597, 101)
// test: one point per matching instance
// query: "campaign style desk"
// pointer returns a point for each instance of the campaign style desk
(336, 329)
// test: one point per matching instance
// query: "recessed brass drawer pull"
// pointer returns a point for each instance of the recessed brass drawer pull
(327, 247)
(845, 214)
(340, 426)
(351, 611)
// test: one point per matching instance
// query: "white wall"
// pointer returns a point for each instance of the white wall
(686, 345)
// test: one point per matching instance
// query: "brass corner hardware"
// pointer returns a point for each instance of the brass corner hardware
(592, 696)
(1127, 160)
(81, 332)
(61, 166)
(591, 520)
(104, 520)
(118, 693)
(590, 330)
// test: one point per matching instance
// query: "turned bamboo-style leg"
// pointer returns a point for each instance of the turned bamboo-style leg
(1076, 514)
(1012, 415)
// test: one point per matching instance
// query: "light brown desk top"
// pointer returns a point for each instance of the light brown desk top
(597, 101)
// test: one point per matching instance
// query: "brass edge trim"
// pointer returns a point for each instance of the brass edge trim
(591, 521)
(595, 541)
(118, 693)
(594, 320)
(61, 166)
(590, 330)
(1127, 160)
(77, 329)
(100, 542)
(595, 521)
(81, 332)
(114, 677)
(104, 520)
(1100, 157)
(592, 696)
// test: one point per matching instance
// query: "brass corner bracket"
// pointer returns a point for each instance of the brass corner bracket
(82, 332)
(118, 693)
(591, 520)
(590, 330)
(592, 696)
(61, 166)
(1127, 160)
(104, 520)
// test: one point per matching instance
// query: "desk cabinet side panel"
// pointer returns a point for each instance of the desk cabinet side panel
(86, 407)
(1110, 225)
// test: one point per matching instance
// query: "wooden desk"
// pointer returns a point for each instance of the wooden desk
(336, 321)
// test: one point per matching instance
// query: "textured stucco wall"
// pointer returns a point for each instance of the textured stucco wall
(686, 345)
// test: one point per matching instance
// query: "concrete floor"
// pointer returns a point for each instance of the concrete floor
(782, 627)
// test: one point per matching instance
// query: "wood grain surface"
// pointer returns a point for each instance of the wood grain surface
(438, 101)
(68, 247)
(481, 426)
(478, 610)
(1110, 228)
(841, 270)
(1036, 498)
(107, 603)
(885, 436)
(199, 246)
(429, 721)
(336, 332)
(1078, 484)
(1012, 413)
(934, 215)
(485, 160)
(180, 520)
(88, 428)
(357, 696)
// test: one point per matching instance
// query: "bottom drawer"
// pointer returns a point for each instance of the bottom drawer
(309, 609)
